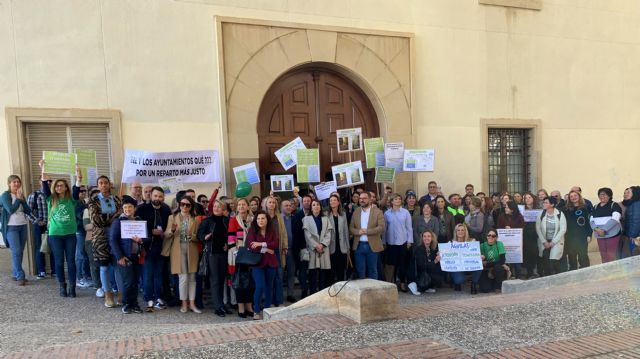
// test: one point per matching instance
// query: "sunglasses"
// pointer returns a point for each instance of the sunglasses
(183, 204)
(83, 190)
(491, 235)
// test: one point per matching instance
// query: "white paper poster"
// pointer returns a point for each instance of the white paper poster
(460, 256)
(287, 155)
(418, 160)
(325, 189)
(512, 240)
(171, 184)
(150, 167)
(247, 173)
(349, 139)
(281, 183)
(531, 215)
(130, 229)
(348, 174)
(394, 155)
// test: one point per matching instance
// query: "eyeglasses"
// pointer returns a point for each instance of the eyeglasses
(204, 201)
(83, 190)
(183, 204)
(492, 235)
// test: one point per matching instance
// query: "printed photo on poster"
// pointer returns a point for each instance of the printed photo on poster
(349, 139)
(281, 183)
(348, 174)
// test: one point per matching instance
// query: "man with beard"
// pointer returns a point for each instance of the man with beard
(156, 213)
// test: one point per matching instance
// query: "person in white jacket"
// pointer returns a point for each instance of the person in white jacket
(551, 227)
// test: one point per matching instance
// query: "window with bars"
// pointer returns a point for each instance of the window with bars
(66, 138)
(509, 160)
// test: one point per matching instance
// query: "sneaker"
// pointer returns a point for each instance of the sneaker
(413, 287)
(136, 309)
(41, 275)
(126, 309)
(100, 293)
(81, 283)
(430, 290)
(149, 306)
(160, 304)
(89, 283)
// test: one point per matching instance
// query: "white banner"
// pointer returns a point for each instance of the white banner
(325, 189)
(130, 229)
(512, 240)
(151, 167)
(394, 155)
(531, 215)
(460, 256)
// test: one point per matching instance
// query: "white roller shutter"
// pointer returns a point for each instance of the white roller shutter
(65, 138)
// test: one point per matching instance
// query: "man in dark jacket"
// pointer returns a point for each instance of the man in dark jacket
(300, 243)
(156, 213)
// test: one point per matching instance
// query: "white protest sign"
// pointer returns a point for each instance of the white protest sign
(247, 173)
(288, 155)
(325, 189)
(191, 166)
(531, 215)
(394, 155)
(460, 256)
(348, 174)
(418, 160)
(512, 240)
(281, 183)
(130, 229)
(349, 139)
(171, 184)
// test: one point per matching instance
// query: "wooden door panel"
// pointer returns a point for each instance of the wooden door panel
(289, 110)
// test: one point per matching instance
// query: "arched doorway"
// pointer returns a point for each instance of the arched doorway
(312, 102)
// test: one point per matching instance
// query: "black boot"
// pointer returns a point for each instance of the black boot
(474, 289)
(63, 289)
(72, 290)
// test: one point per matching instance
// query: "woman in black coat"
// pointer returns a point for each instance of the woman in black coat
(424, 269)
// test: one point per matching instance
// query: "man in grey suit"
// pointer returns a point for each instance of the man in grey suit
(367, 225)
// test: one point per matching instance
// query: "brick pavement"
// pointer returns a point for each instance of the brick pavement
(605, 344)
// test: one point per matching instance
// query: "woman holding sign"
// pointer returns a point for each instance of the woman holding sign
(462, 235)
(103, 210)
(61, 207)
(181, 245)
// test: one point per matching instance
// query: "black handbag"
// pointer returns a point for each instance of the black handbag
(241, 280)
(246, 257)
(203, 266)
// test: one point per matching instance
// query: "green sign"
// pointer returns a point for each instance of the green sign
(308, 168)
(385, 174)
(59, 162)
(86, 158)
(374, 152)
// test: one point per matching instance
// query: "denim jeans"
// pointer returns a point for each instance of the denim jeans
(263, 278)
(82, 259)
(17, 239)
(458, 277)
(64, 248)
(105, 278)
(366, 261)
(153, 267)
(129, 275)
(278, 285)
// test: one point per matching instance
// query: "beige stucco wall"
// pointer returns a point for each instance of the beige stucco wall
(571, 65)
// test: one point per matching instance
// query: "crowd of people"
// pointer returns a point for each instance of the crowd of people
(246, 251)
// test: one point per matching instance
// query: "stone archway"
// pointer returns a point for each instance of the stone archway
(312, 102)
(256, 54)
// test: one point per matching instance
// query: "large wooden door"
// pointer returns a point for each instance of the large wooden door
(312, 103)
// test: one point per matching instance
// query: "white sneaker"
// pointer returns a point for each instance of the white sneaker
(100, 293)
(413, 287)
(430, 290)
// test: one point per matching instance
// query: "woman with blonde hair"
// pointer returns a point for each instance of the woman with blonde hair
(578, 231)
(272, 208)
(62, 225)
(461, 235)
(181, 245)
(425, 262)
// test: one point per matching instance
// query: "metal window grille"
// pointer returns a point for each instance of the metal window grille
(509, 160)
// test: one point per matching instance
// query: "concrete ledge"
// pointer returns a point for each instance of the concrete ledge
(522, 4)
(612, 270)
(363, 300)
